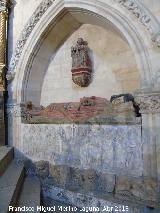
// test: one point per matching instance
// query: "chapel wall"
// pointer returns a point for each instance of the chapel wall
(114, 69)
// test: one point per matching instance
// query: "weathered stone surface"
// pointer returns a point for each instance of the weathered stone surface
(30, 193)
(81, 63)
(75, 179)
(89, 178)
(89, 201)
(60, 174)
(148, 102)
(91, 110)
(42, 169)
(6, 155)
(105, 183)
(141, 189)
(151, 189)
(106, 149)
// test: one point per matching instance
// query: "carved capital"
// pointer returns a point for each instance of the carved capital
(10, 76)
(4, 5)
(148, 102)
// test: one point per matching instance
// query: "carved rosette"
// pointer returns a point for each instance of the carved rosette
(148, 103)
(81, 64)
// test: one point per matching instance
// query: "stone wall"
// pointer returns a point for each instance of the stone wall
(113, 62)
(23, 9)
(103, 148)
(97, 153)
(77, 162)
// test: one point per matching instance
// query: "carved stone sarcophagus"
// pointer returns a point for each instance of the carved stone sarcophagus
(81, 64)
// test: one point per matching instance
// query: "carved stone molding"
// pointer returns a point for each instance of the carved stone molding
(42, 8)
(132, 5)
(148, 102)
(4, 4)
(144, 17)
(10, 76)
(16, 110)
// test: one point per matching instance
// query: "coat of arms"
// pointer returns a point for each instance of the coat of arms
(81, 64)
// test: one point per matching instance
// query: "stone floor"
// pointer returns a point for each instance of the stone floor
(58, 205)
(15, 188)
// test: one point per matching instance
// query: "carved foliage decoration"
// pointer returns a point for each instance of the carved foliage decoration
(143, 17)
(45, 4)
(5, 4)
(148, 103)
(42, 8)
(131, 5)
(81, 64)
(2, 5)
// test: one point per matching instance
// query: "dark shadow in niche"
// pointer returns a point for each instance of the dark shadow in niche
(28, 79)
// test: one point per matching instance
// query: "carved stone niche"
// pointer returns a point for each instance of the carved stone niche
(81, 64)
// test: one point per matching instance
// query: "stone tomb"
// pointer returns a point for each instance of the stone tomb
(93, 110)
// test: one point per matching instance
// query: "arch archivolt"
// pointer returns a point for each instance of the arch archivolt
(104, 13)
(48, 22)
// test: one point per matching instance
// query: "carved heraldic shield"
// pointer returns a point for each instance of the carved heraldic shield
(81, 64)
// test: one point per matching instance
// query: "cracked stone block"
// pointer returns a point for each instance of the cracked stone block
(143, 189)
(42, 169)
(60, 174)
(105, 183)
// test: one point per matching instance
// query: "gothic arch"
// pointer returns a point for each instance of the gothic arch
(102, 12)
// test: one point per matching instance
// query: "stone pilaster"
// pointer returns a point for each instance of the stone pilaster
(4, 5)
(149, 104)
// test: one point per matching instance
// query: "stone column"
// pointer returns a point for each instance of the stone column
(149, 104)
(4, 5)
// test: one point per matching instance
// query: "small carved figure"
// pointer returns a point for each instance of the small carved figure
(81, 64)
